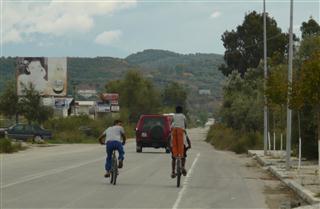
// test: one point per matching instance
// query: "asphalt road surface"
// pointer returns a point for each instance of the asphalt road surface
(71, 176)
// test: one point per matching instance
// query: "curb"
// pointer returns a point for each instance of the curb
(306, 195)
(316, 206)
(260, 160)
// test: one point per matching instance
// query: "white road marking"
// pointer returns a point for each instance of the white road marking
(185, 183)
(49, 172)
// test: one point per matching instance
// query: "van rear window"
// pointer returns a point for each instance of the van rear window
(148, 123)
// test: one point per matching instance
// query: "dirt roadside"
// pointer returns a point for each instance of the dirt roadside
(277, 194)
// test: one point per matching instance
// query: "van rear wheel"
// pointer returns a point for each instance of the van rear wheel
(139, 148)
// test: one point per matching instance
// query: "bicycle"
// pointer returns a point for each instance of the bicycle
(114, 168)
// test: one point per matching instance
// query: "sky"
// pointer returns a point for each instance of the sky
(118, 28)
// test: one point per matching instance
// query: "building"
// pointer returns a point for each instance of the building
(204, 92)
(85, 108)
(62, 106)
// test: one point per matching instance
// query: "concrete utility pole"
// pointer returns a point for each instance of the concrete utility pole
(289, 112)
(265, 132)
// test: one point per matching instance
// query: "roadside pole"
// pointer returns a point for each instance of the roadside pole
(289, 111)
(265, 132)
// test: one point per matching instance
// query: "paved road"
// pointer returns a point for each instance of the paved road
(71, 176)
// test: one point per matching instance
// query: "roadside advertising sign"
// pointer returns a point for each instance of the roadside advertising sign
(47, 75)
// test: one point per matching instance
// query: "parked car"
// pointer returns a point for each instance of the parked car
(153, 131)
(26, 131)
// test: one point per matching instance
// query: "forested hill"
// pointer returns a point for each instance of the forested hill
(195, 71)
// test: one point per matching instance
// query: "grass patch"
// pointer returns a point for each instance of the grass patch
(224, 138)
(7, 146)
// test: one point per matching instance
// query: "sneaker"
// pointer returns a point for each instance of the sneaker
(107, 175)
(173, 175)
(120, 164)
(184, 172)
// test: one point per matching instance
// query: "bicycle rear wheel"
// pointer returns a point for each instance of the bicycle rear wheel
(111, 173)
(114, 170)
(178, 172)
(111, 176)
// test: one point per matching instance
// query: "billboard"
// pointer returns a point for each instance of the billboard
(115, 108)
(47, 75)
(111, 98)
(103, 107)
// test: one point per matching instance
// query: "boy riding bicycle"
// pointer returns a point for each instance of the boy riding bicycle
(180, 141)
(114, 140)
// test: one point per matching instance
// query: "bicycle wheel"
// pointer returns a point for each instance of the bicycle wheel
(178, 172)
(113, 170)
(111, 176)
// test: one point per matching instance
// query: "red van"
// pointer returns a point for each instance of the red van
(153, 131)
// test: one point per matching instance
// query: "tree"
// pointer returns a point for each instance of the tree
(277, 85)
(136, 94)
(174, 94)
(9, 105)
(310, 28)
(276, 92)
(309, 45)
(305, 111)
(31, 106)
(306, 90)
(243, 101)
(244, 46)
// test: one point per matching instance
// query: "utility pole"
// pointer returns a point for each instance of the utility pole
(289, 111)
(265, 132)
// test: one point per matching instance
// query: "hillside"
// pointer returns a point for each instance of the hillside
(194, 71)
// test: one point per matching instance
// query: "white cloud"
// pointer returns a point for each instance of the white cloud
(108, 37)
(215, 14)
(22, 19)
(12, 36)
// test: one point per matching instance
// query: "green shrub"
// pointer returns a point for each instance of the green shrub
(224, 138)
(82, 129)
(7, 146)
(71, 137)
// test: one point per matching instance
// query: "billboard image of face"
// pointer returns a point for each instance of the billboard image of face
(47, 75)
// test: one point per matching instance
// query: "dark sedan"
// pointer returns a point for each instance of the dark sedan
(26, 131)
